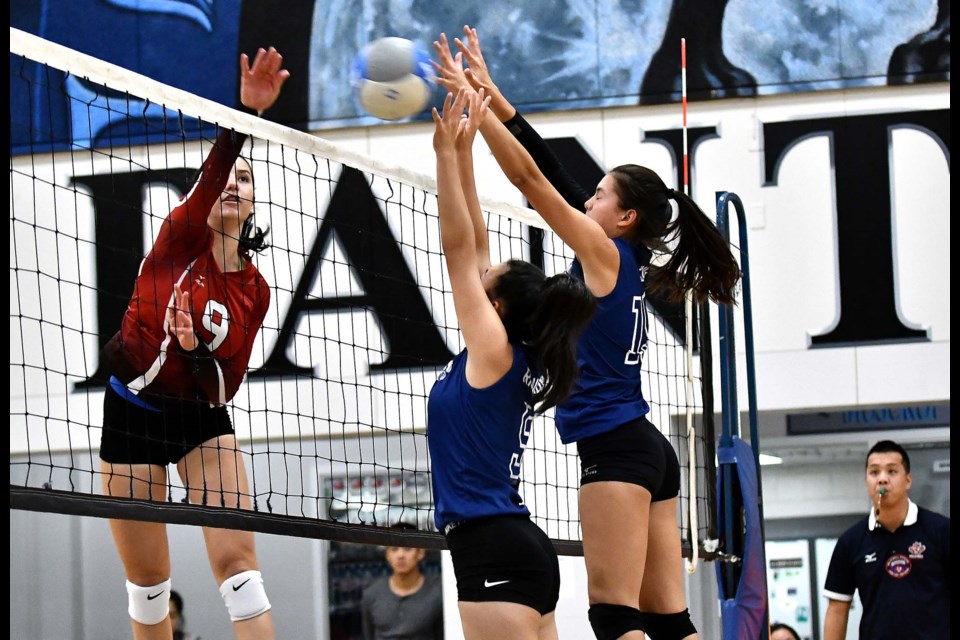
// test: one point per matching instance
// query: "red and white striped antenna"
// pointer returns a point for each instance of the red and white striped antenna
(683, 94)
(688, 307)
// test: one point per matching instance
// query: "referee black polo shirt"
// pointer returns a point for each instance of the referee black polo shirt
(903, 576)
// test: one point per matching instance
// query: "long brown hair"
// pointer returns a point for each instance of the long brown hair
(700, 261)
(547, 316)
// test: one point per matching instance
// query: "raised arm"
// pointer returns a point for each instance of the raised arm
(489, 352)
(562, 211)
(185, 231)
(597, 253)
(452, 75)
(464, 148)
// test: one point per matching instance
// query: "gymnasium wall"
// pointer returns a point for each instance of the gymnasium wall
(793, 216)
(844, 187)
(872, 162)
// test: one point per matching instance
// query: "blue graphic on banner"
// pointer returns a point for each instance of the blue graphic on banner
(109, 117)
(560, 55)
(199, 11)
(188, 44)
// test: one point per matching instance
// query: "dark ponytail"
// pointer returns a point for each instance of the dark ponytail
(547, 315)
(252, 238)
(563, 311)
(700, 261)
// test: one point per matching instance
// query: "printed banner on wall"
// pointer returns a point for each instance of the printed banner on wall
(544, 56)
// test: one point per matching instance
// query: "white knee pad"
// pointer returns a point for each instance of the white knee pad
(149, 605)
(244, 595)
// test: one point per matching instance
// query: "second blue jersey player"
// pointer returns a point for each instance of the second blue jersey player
(520, 329)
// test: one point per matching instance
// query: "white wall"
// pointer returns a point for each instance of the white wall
(792, 231)
(792, 243)
(793, 263)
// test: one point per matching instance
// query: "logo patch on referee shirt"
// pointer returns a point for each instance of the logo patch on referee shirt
(898, 566)
(916, 550)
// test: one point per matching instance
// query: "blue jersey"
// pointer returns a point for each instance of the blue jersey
(476, 439)
(903, 576)
(609, 354)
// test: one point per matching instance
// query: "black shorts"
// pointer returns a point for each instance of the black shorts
(505, 559)
(137, 435)
(635, 452)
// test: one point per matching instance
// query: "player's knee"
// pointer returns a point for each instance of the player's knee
(244, 595)
(148, 605)
(610, 621)
(668, 626)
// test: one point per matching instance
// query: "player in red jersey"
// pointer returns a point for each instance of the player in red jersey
(179, 357)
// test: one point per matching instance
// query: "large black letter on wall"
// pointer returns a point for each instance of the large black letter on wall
(118, 215)
(861, 161)
(391, 292)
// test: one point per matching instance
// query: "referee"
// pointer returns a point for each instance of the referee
(898, 557)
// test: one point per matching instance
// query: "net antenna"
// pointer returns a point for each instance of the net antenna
(688, 352)
(331, 418)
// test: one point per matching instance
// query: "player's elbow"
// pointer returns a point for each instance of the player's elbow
(456, 242)
(522, 179)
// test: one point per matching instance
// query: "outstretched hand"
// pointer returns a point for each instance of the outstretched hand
(261, 82)
(450, 74)
(180, 320)
(477, 74)
(449, 123)
(477, 103)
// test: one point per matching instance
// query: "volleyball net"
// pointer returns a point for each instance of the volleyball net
(331, 417)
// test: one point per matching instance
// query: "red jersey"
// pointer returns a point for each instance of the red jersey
(228, 308)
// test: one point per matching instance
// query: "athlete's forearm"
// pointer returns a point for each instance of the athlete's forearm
(469, 186)
(547, 161)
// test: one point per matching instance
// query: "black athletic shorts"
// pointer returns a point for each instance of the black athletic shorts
(135, 434)
(505, 559)
(635, 452)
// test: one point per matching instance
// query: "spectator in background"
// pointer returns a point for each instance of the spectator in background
(406, 605)
(177, 621)
(780, 631)
(897, 557)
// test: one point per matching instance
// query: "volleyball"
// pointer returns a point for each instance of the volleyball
(393, 78)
